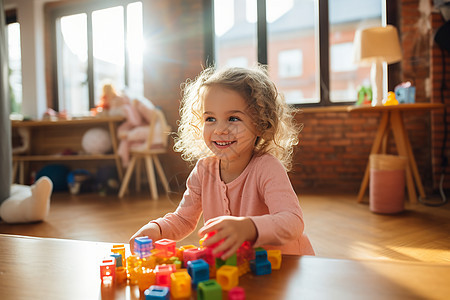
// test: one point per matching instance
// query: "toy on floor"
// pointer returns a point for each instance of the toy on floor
(161, 270)
(27, 203)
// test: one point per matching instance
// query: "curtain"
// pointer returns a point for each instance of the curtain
(5, 124)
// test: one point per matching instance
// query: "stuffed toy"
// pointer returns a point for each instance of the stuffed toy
(27, 203)
(112, 103)
(134, 132)
(96, 141)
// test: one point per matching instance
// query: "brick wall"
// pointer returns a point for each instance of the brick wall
(439, 95)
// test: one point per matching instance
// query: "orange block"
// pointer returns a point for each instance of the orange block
(180, 285)
(145, 278)
(274, 256)
(228, 277)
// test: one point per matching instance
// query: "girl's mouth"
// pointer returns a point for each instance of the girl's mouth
(224, 144)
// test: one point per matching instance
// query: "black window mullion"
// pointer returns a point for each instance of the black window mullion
(209, 28)
(262, 32)
(324, 59)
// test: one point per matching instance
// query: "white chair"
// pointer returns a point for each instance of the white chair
(149, 154)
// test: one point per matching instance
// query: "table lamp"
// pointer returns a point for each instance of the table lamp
(375, 46)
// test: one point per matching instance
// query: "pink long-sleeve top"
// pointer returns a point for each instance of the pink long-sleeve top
(262, 192)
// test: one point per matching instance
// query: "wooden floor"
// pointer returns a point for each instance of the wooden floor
(337, 226)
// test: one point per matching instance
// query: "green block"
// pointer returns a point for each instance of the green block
(230, 261)
(209, 290)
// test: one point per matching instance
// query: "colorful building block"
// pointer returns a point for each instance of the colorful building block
(274, 256)
(108, 270)
(166, 248)
(245, 253)
(121, 276)
(198, 270)
(260, 254)
(162, 273)
(236, 293)
(261, 267)
(156, 292)
(198, 253)
(209, 290)
(227, 277)
(118, 258)
(244, 268)
(148, 262)
(120, 248)
(133, 266)
(230, 261)
(145, 278)
(143, 246)
(180, 285)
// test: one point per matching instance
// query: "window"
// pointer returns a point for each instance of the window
(290, 63)
(307, 44)
(96, 44)
(15, 67)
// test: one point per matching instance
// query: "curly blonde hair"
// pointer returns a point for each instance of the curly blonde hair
(272, 117)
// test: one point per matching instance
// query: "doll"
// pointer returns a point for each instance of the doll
(134, 132)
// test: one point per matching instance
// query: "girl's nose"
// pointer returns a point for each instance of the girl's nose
(221, 128)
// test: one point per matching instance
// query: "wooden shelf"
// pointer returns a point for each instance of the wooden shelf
(56, 136)
(63, 157)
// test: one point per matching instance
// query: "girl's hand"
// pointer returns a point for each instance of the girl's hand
(151, 230)
(232, 231)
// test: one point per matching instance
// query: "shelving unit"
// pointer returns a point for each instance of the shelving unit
(50, 139)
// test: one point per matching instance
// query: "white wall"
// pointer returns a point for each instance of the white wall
(30, 14)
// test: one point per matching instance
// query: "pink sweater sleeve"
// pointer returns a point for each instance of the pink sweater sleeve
(284, 222)
(182, 222)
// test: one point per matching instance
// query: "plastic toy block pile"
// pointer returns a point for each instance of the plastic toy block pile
(163, 271)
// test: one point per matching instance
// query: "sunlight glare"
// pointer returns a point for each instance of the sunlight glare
(275, 9)
(223, 16)
(135, 40)
(108, 34)
(73, 29)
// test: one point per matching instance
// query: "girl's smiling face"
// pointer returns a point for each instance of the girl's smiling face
(228, 129)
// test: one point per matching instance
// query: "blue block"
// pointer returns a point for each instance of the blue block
(260, 268)
(143, 246)
(198, 270)
(260, 255)
(157, 292)
(118, 258)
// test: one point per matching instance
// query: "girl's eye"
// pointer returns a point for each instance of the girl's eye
(210, 119)
(234, 119)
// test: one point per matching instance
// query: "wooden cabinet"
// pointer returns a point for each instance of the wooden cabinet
(61, 141)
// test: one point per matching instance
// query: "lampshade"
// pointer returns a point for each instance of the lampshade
(375, 46)
(377, 43)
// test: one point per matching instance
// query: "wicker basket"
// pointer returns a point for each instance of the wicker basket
(387, 183)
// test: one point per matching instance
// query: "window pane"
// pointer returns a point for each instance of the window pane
(72, 65)
(235, 33)
(345, 75)
(135, 44)
(292, 51)
(108, 49)
(15, 67)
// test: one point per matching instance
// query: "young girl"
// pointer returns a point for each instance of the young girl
(236, 125)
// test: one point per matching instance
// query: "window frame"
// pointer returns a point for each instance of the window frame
(88, 8)
(389, 17)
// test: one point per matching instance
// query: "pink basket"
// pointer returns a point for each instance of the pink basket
(387, 183)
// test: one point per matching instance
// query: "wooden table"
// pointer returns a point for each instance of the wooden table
(392, 119)
(43, 268)
(48, 138)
